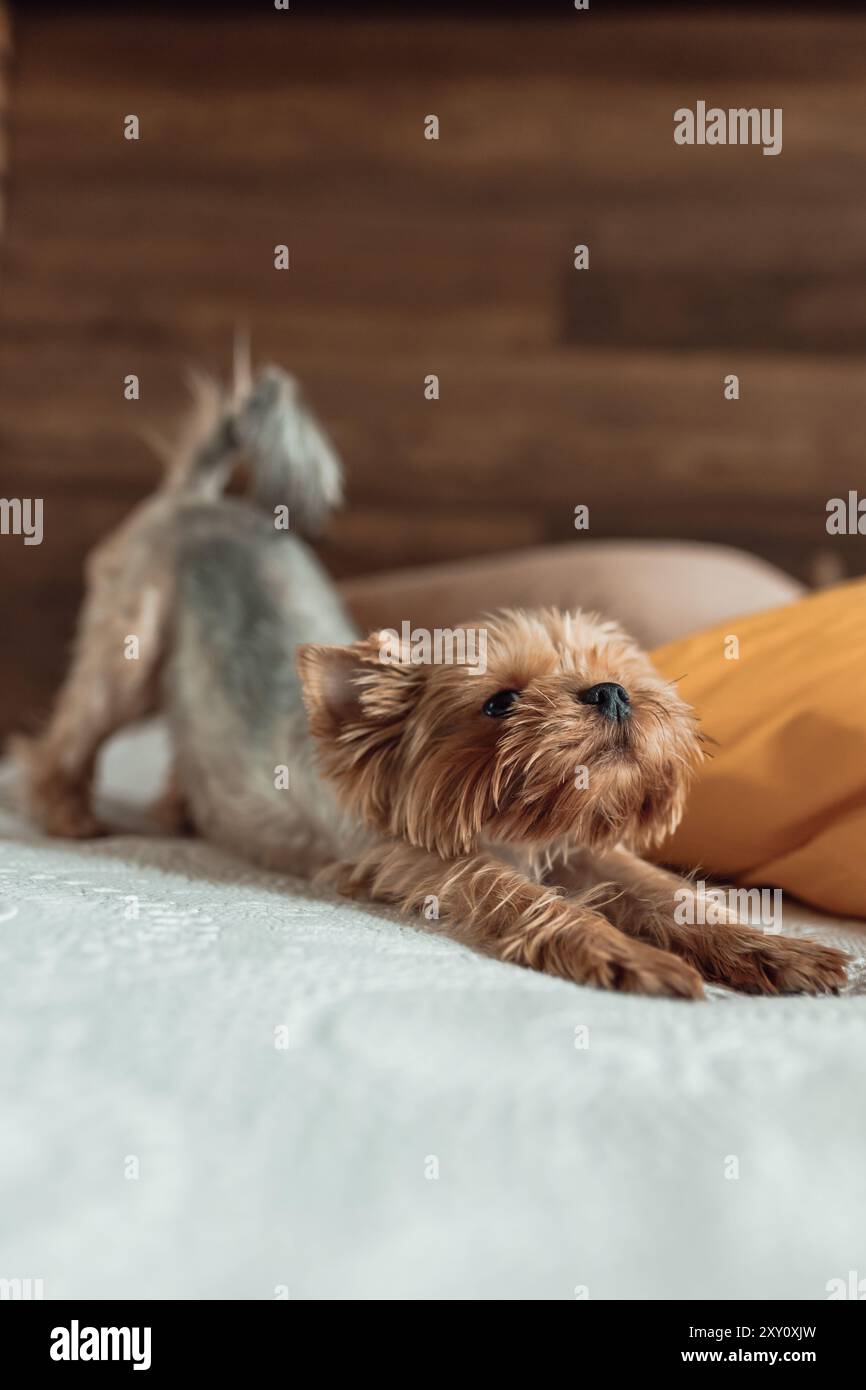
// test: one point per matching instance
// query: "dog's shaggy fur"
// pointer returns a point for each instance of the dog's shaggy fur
(521, 834)
(516, 829)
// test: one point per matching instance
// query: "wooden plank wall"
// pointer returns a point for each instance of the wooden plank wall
(411, 257)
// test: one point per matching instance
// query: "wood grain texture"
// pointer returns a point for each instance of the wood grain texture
(409, 257)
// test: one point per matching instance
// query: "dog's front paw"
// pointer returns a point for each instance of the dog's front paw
(648, 970)
(595, 953)
(754, 962)
(790, 965)
(342, 876)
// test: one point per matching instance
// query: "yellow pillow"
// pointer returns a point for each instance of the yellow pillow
(783, 800)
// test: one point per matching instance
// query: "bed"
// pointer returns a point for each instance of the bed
(218, 1084)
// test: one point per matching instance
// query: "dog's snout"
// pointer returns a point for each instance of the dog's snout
(610, 699)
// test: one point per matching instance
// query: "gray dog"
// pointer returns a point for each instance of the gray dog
(463, 802)
(196, 606)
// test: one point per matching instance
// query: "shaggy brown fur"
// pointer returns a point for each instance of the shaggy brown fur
(520, 834)
(517, 830)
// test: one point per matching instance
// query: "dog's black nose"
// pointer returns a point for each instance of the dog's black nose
(611, 699)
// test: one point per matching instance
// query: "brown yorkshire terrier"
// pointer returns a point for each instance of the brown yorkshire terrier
(513, 806)
(506, 801)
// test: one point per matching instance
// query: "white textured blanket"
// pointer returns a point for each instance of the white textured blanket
(215, 1084)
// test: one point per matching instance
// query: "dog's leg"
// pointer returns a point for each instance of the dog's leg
(112, 681)
(497, 910)
(171, 811)
(663, 909)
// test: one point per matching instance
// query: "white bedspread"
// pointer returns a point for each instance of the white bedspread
(215, 1084)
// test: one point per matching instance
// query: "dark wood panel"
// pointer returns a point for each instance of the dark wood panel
(798, 311)
(455, 257)
(229, 56)
(559, 418)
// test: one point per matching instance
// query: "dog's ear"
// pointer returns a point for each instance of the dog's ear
(329, 680)
(368, 682)
(359, 699)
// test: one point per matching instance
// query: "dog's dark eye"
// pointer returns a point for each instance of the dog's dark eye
(500, 703)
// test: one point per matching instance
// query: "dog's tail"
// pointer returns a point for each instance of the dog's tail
(265, 422)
